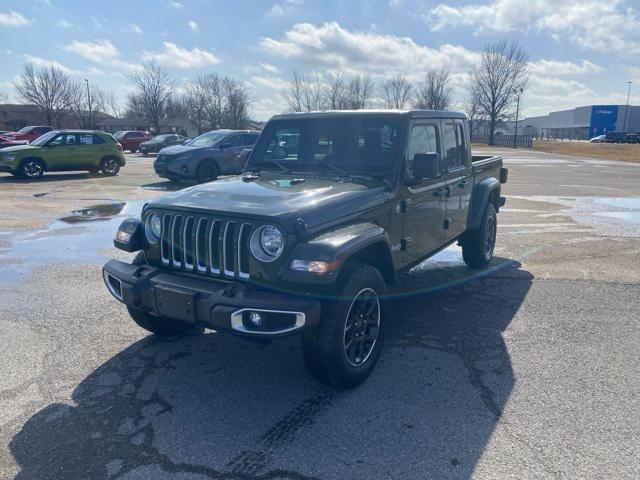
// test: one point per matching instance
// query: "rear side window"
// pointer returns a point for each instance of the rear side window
(454, 145)
(41, 130)
(235, 140)
(89, 139)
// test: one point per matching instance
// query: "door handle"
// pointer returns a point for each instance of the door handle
(442, 192)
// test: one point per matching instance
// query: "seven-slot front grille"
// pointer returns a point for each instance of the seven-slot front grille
(205, 245)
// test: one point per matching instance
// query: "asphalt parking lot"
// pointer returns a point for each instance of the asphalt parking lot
(528, 370)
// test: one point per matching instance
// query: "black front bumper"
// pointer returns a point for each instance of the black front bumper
(6, 168)
(211, 303)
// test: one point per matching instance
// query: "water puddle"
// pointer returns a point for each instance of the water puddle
(82, 237)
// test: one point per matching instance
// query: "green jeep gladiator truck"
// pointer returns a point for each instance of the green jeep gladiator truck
(330, 208)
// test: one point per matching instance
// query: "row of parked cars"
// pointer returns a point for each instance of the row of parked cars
(617, 137)
(203, 158)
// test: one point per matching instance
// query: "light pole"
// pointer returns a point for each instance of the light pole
(518, 92)
(626, 110)
(89, 100)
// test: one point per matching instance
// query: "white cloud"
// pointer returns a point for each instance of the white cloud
(590, 24)
(395, 3)
(193, 26)
(13, 19)
(133, 28)
(43, 62)
(271, 83)
(101, 51)
(63, 23)
(175, 56)
(284, 7)
(556, 68)
(334, 47)
(175, 4)
(267, 67)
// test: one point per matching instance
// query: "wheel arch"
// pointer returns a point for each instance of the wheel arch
(488, 190)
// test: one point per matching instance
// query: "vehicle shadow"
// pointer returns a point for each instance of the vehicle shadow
(52, 177)
(215, 406)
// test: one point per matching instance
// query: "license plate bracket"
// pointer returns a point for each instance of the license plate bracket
(176, 303)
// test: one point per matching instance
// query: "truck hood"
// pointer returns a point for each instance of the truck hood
(315, 200)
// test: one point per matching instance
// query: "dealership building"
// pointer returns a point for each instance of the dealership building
(583, 123)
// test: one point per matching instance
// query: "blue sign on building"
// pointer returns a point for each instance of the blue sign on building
(603, 119)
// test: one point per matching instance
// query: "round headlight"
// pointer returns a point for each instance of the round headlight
(267, 243)
(153, 228)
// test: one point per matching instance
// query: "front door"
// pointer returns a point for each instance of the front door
(63, 152)
(425, 201)
(457, 174)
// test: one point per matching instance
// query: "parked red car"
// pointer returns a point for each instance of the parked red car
(29, 133)
(131, 139)
(8, 142)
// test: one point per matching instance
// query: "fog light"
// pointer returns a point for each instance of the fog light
(256, 319)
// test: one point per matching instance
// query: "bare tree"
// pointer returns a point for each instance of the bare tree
(502, 71)
(107, 102)
(360, 91)
(4, 98)
(304, 94)
(337, 94)
(196, 101)
(49, 89)
(396, 91)
(154, 90)
(434, 92)
(236, 104)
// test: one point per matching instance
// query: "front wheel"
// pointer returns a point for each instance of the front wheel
(133, 150)
(344, 348)
(110, 166)
(32, 168)
(207, 172)
(478, 244)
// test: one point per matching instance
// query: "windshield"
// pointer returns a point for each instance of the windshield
(24, 130)
(206, 139)
(355, 144)
(119, 134)
(160, 138)
(43, 139)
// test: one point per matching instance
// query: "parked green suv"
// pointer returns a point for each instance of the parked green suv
(64, 150)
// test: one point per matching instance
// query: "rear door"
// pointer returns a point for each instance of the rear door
(229, 155)
(424, 202)
(91, 150)
(458, 177)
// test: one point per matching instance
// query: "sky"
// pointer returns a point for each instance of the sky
(581, 52)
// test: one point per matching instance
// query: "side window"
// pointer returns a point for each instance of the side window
(454, 146)
(69, 139)
(423, 139)
(40, 130)
(282, 144)
(56, 141)
(89, 139)
(249, 139)
(235, 141)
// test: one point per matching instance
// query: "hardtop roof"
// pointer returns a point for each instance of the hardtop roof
(371, 112)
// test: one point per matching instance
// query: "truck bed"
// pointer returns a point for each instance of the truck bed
(484, 166)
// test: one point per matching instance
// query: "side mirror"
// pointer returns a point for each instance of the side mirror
(244, 155)
(225, 145)
(426, 165)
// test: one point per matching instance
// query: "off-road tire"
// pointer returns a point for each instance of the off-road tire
(478, 244)
(207, 171)
(324, 346)
(31, 168)
(109, 166)
(161, 326)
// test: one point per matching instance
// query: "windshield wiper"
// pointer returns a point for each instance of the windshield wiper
(272, 162)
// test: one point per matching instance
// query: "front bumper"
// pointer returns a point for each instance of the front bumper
(6, 168)
(215, 304)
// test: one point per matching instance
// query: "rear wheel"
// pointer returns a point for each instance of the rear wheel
(344, 348)
(32, 168)
(133, 150)
(207, 171)
(161, 326)
(478, 244)
(110, 166)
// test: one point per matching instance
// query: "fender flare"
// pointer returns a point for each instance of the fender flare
(481, 194)
(340, 245)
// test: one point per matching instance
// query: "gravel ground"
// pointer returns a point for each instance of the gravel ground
(526, 371)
